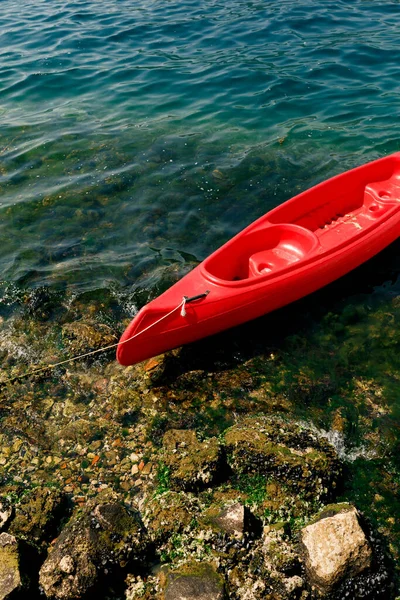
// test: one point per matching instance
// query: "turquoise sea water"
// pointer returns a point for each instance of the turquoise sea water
(139, 135)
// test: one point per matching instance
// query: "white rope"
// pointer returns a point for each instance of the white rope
(135, 335)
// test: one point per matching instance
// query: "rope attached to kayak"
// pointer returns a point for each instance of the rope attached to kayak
(181, 305)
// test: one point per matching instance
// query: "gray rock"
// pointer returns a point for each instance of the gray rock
(5, 512)
(194, 581)
(10, 578)
(103, 536)
(231, 520)
(335, 547)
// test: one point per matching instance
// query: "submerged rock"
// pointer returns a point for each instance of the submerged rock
(193, 581)
(103, 537)
(84, 337)
(10, 577)
(335, 547)
(193, 464)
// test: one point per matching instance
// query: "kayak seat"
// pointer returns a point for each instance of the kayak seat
(269, 249)
(291, 245)
(385, 191)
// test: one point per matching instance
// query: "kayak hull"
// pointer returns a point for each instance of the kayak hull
(295, 249)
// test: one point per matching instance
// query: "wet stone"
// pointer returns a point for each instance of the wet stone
(193, 464)
(10, 577)
(335, 547)
(194, 581)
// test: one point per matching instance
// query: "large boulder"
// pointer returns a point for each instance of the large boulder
(103, 537)
(193, 464)
(335, 547)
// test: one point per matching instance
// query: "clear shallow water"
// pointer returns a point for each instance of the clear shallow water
(139, 135)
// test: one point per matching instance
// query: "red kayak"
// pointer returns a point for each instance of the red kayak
(293, 250)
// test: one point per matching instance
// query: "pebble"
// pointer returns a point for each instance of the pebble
(96, 445)
(126, 485)
(147, 469)
(135, 469)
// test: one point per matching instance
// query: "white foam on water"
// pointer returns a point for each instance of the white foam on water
(338, 441)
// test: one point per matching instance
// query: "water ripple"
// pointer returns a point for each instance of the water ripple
(127, 125)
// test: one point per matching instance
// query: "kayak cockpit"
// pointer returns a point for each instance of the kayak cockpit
(305, 228)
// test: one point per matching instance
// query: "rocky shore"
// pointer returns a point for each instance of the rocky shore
(171, 480)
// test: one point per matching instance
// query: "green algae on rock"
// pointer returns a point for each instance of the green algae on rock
(168, 513)
(289, 451)
(10, 576)
(194, 580)
(193, 464)
(38, 514)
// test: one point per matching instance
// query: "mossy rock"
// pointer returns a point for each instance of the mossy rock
(193, 464)
(38, 515)
(168, 513)
(10, 576)
(288, 451)
(194, 580)
(330, 510)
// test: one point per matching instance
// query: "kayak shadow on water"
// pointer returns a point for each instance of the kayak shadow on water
(374, 282)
